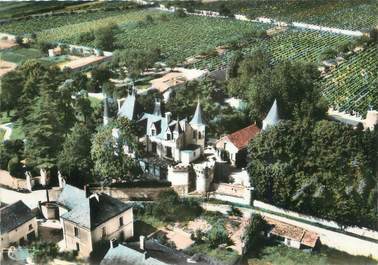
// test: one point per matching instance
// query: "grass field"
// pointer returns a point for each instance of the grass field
(20, 55)
(282, 255)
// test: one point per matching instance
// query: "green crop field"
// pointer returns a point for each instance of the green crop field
(354, 84)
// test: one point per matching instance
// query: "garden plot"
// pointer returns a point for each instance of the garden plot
(7, 43)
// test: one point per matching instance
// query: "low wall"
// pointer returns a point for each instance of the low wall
(14, 183)
(127, 194)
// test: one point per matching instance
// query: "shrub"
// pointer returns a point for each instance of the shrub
(43, 252)
(254, 234)
(235, 211)
(15, 168)
(217, 236)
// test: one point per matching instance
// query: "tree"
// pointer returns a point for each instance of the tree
(43, 252)
(294, 86)
(74, 160)
(108, 151)
(254, 233)
(15, 168)
(10, 149)
(217, 235)
(50, 118)
(104, 37)
(135, 60)
(11, 86)
(324, 169)
(100, 76)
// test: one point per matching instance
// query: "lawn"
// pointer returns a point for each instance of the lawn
(20, 55)
(226, 256)
(282, 255)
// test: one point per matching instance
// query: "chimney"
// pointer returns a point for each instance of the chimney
(168, 117)
(86, 190)
(142, 242)
(113, 243)
(47, 195)
(157, 107)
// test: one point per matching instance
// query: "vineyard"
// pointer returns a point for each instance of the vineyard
(293, 45)
(351, 14)
(179, 38)
(354, 84)
(68, 22)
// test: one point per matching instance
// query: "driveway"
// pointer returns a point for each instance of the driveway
(30, 199)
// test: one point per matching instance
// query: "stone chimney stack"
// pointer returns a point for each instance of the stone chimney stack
(168, 116)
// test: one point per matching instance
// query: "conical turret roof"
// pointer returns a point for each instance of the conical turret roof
(198, 117)
(272, 118)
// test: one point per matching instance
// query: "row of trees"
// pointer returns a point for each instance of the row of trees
(60, 124)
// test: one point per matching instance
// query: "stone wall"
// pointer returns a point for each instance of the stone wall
(131, 194)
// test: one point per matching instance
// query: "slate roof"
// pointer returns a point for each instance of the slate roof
(272, 118)
(155, 254)
(241, 138)
(71, 197)
(14, 215)
(130, 108)
(197, 118)
(92, 211)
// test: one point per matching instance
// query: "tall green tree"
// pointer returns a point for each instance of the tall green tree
(11, 86)
(111, 162)
(105, 37)
(75, 158)
(295, 87)
(324, 169)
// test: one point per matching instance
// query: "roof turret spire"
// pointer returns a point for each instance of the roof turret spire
(272, 118)
(197, 118)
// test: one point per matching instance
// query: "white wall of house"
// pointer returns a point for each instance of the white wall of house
(230, 148)
(187, 156)
(114, 229)
(86, 238)
(21, 232)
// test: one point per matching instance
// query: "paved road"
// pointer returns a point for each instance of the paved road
(30, 199)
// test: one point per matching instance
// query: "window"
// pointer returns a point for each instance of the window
(76, 232)
(168, 136)
(168, 152)
(104, 232)
(30, 227)
(154, 148)
(199, 135)
(77, 247)
(153, 132)
(121, 221)
(194, 135)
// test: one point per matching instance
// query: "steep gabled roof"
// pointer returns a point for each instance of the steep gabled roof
(198, 117)
(241, 138)
(14, 215)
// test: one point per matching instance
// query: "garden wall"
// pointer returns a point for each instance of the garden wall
(131, 194)
(14, 183)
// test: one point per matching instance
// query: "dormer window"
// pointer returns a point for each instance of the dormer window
(168, 136)
(199, 135)
(153, 132)
(194, 135)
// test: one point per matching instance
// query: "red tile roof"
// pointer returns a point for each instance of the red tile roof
(242, 137)
(305, 237)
